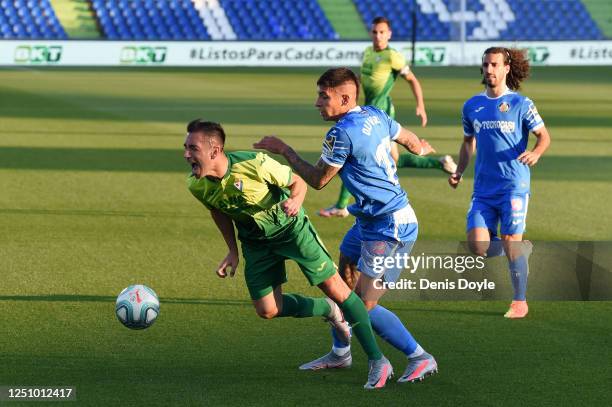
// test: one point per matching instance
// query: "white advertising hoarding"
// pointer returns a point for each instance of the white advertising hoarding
(297, 54)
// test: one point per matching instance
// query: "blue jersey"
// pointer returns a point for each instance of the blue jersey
(360, 144)
(501, 126)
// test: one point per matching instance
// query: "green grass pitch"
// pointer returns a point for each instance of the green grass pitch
(93, 198)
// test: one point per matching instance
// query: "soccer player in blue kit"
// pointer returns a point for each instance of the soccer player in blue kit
(497, 122)
(358, 148)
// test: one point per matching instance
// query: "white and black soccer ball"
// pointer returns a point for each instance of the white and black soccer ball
(137, 307)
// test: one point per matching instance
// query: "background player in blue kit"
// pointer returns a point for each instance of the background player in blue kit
(497, 122)
(358, 148)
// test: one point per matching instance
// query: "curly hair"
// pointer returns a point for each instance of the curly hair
(518, 61)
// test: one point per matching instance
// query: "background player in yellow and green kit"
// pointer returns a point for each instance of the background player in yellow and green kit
(380, 68)
(263, 199)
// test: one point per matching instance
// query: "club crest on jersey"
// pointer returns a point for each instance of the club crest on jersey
(503, 107)
(328, 145)
(238, 184)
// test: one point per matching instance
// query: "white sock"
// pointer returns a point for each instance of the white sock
(417, 352)
(341, 351)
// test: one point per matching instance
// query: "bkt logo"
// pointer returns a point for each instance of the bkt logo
(538, 55)
(143, 55)
(38, 54)
(427, 55)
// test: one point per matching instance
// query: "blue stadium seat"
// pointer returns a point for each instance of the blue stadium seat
(527, 24)
(149, 19)
(23, 19)
(278, 20)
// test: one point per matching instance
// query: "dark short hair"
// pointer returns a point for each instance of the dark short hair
(380, 20)
(207, 128)
(335, 77)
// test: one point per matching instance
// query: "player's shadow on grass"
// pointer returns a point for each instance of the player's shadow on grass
(98, 212)
(578, 168)
(234, 108)
(450, 311)
(111, 299)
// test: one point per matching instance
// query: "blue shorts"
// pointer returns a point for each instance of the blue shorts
(508, 210)
(368, 243)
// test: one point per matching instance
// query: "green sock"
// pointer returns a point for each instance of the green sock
(356, 314)
(298, 306)
(343, 198)
(415, 161)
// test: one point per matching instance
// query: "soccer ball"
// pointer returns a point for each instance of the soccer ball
(137, 307)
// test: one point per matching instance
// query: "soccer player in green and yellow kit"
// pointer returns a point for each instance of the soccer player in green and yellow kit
(263, 199)
(380, 68)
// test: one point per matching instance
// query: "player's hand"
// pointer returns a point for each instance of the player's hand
(230, 261)
(426, 148)
(291, 206)
(454, 180)
(272, 144)
(529, 158)
(420, 112)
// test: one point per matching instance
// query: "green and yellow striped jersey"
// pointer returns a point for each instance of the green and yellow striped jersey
(378, 73)
(250, 193)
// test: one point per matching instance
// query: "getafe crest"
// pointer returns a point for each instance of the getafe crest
(503, 107)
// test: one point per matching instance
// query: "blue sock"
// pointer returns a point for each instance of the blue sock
(519, 269)
(496, 247)
(338, 343)
(389, 327)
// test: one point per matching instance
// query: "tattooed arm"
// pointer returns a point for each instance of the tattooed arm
(317, 176)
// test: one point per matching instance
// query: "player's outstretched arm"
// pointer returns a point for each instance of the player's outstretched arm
(317, 176)
(297, 189)
(531, 158)
(414, 144)
(226, 227)
(417, 91)
(468, 147)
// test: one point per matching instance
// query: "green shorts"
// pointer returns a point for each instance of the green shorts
(265, 261)
(384, 103)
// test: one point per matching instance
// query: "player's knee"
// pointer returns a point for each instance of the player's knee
(267, 313)
(478, 248)
(369, 304)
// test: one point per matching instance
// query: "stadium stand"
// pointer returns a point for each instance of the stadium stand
(486, 19)
(77, 18)
(150, 20)
(344, 18)
(516, 20)
(215, 20)
(278, 20)
(21, 19)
